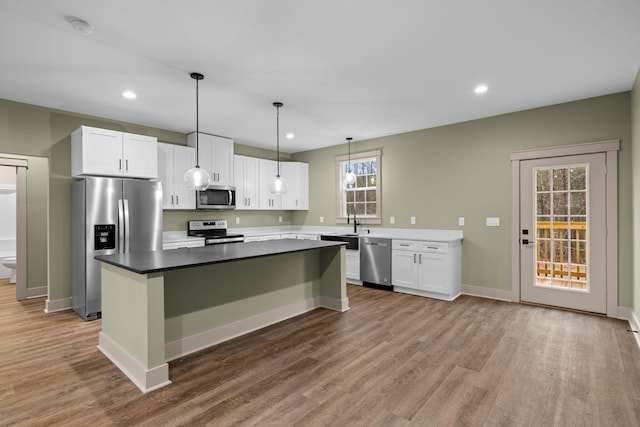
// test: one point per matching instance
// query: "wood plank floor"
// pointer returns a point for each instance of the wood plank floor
(392, 360)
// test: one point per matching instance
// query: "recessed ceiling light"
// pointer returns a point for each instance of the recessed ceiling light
(290, 135)
(481, 89)
(129, 94)
(79, 24)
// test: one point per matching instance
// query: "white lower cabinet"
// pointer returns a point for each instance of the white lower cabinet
(300, 236)
(262, 238)
(431, 269)
(353, 264)
(189, 243)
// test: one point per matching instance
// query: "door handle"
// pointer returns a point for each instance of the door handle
(126, 226)
(172, 200)
(120, 226)
(528, 242)
(177, 200)
(414, 258)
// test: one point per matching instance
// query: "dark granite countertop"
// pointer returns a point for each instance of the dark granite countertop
(157, 261)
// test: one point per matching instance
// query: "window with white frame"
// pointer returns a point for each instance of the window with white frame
(361, 198)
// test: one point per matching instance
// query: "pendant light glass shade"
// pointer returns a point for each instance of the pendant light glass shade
(349, 177)
(278, 185)
(196, 178)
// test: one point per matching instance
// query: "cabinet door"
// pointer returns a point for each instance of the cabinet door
(433, 275)
(139, 154)
(245, 172)
(222, 160)
(297, 175)
(184, 158)
(165, 174)
(290, 199)
(353, 264)
(268, 200)
(404, 269)
(251, 182)
(303, 187)
(238, 182)
(96, 151)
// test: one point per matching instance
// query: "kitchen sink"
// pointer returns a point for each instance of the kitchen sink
(351, 239)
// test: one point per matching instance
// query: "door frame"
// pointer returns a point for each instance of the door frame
(610, 148)
(21, 166)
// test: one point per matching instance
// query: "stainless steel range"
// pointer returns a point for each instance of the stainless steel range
(214, 231)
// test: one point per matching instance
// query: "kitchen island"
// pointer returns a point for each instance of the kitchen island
(158, 306)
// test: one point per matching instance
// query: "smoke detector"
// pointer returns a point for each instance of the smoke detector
(79, 24)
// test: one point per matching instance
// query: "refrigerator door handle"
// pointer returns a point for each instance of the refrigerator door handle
(120, 226)
(126, 226)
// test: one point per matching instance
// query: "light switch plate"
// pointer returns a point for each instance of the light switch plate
(279, 219)
(392, 220)
(321, 220)
(493, 222)
(460, 220)
(237, 220)
(413, 220)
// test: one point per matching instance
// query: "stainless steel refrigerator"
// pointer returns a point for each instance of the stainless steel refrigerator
(109, 216)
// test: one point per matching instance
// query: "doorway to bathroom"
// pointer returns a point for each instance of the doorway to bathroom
(13, 222)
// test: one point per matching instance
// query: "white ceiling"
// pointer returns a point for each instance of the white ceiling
(359, 68)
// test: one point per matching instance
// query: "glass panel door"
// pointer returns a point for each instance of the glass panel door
(562, 227)
(563, 232)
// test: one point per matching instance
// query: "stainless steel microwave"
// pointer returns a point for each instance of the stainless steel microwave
(216, 197)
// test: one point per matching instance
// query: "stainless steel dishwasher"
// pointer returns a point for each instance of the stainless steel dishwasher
(375, 262)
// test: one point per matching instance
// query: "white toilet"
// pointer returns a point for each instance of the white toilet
(10, 263)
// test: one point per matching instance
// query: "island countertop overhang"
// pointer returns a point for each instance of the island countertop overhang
(165, 260)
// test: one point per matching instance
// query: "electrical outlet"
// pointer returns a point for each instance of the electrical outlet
(460, 220)
(413, 220)
(392, 220)
(279, 219)
(237, 220)
(321, 220)
(493, 222)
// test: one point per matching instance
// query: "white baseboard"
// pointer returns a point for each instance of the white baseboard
(479, 291)
(38, 292)
(61, 304)
(625, 313)
(145, 379)
(202, 340)
(340, 305)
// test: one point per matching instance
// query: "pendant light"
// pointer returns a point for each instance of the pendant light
(278, 184)
(197, 178)
(349, 177)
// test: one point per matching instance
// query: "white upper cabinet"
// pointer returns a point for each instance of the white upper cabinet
(173, 162)
(245, 171)
(102, 152)
(268, 200)
(297, 195)
(215, 155)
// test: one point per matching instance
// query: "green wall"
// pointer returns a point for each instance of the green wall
(635, 135)
(435, 175)
(42, 135)
(443, 173)
(37, 219)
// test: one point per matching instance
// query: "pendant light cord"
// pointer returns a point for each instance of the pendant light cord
(197, 77)
(197, 125)
(349, 145)
(278, 105)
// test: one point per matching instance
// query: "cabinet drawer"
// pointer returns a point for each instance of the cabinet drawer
(434, 247)
(404, 245)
